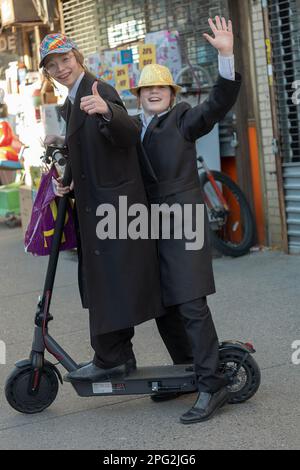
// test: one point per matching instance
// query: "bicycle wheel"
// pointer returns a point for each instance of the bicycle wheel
(232, 230)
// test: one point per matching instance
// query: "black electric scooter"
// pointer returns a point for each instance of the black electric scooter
(33, 384)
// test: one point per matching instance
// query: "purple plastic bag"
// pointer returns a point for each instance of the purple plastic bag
(40, 231)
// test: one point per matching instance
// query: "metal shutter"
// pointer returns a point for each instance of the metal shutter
(81, 23)
(285, 31)
(291, 175)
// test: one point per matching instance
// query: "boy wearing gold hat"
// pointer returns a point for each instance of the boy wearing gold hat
(168, 161)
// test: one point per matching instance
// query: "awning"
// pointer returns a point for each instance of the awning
(14, 12)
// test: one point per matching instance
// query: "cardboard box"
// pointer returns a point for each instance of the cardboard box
(48, 98)
(14, 11)
(35, 176)
(52, 120)
(48, 93)
(27, 195)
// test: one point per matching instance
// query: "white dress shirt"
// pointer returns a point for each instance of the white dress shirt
(74, 89)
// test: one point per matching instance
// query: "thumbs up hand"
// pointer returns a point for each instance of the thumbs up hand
(94, 104)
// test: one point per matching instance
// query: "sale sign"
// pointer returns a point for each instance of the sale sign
(147, 54)
(122, 78)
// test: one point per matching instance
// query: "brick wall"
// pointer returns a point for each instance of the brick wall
(268, 166)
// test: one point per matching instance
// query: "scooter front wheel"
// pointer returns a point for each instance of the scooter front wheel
(21, 398)
(243, 374)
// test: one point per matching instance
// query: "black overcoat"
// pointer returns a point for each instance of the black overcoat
(118, 279)
(169, 167)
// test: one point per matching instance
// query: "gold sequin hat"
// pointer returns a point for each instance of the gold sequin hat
(155, 75)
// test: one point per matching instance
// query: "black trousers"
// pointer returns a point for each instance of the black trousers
(201, 338)
(189, 335)
(113, 349)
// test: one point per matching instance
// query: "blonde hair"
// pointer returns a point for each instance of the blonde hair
(79, 59)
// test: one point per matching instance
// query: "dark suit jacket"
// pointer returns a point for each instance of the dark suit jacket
(169, 168)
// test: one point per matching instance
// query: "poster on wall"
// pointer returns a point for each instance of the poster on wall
(110, 60)
(117, 67)
(167, 49)
(122, 78)
(102, 65)
(93, 63)
(147, 54)
(126, 56)
(134, 75)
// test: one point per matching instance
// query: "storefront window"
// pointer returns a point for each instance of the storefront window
(8, 47)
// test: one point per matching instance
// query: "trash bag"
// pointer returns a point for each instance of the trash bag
(40, 231)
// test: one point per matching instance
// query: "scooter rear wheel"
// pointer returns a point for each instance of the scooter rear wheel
(17, 390)
(244, 375)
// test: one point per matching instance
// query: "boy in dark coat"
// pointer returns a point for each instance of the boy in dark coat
(168, 161)
(118, 278)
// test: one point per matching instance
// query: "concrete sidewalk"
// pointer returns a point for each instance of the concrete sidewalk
(258, 299)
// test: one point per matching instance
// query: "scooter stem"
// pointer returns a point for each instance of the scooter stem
(58, 231)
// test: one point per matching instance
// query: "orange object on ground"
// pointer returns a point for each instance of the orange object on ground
(10, 145)
(229, 167)
(256, 184)
(8, 153)
(6, 134)
(16, 144)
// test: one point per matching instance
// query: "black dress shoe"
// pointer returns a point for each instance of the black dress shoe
(159, 397)
(92, 373)
(205, 407)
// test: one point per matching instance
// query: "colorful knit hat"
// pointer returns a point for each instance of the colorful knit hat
(56, 43)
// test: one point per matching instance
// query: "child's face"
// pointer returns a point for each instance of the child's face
(64, 68)
(155, 99)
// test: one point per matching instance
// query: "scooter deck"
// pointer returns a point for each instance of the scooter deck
(145, 380)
